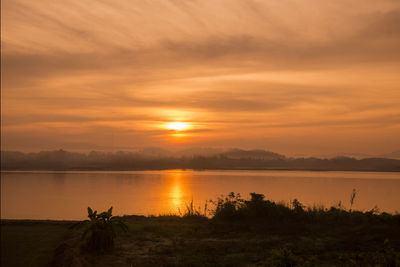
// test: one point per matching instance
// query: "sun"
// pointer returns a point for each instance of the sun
(177, 126)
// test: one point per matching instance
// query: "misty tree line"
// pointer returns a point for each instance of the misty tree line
(64, 160)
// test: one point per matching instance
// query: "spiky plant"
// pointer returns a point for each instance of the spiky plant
(100, 230)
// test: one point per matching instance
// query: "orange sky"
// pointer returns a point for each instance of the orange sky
(312, 77)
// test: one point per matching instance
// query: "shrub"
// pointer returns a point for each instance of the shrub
(233, 207)
(229, 207)
(100, 230)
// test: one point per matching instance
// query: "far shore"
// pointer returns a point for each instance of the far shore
(197, 170)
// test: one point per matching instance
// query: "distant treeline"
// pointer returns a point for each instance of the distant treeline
(230, 160)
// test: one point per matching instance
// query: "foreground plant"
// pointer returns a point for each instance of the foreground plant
(100, 230)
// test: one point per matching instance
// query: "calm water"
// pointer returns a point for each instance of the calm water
(66, 195)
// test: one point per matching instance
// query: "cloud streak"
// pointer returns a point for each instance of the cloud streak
(238, 70)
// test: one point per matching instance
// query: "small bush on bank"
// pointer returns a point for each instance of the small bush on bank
(100, 230)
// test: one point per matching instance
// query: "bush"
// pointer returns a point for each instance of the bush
(229, 207)
(100, 230)
(233, 207)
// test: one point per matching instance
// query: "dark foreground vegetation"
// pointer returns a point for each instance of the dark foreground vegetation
(231, 160)
(236, 232)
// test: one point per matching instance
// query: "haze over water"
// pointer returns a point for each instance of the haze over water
(66, 195)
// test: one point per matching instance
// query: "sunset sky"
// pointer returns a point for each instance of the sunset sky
(312, 77)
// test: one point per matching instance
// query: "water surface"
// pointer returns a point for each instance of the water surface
(66, 195)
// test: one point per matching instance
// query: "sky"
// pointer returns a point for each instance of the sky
(291, 76)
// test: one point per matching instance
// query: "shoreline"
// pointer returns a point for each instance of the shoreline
(188, 170)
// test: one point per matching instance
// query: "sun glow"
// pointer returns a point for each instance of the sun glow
(177, 126)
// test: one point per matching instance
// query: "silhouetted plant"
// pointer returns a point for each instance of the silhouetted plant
(100, 230)
(228, 207)
(192, 211)
(297, 206)
(373, 211)
(352, 197)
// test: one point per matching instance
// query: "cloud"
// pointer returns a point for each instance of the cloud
(230, 66)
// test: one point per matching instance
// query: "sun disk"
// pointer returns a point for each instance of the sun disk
(177, 126)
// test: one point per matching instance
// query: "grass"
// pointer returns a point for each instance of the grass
(237, 232)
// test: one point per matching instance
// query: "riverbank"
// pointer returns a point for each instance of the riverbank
(255, 233)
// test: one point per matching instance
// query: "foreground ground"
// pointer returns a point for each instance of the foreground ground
(251, 233)
(169, 241)
(30, 243)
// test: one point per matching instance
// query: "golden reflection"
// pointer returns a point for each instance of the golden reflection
(176, 191)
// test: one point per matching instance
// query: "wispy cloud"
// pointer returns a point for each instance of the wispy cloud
(239, 70)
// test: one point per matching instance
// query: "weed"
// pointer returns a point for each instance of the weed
(100, 230)
(352, 197)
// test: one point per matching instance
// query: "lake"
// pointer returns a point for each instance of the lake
(66, 195)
